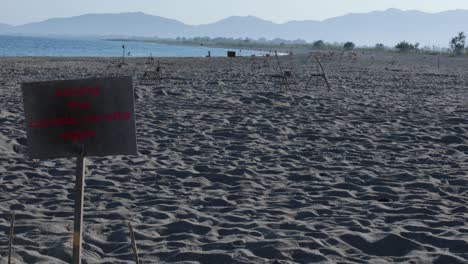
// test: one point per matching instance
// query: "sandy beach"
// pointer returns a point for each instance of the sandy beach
(237, 167)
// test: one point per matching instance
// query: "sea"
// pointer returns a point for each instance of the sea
(22, 46)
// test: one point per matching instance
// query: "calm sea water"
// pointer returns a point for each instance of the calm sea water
(38, 46)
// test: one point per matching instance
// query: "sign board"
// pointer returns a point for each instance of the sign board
(63, 117)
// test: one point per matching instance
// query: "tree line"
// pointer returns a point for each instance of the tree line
(457, 44)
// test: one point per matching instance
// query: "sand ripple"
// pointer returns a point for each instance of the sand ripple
(233, 171)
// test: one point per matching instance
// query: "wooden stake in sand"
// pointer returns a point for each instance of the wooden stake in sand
(134, 247)
(123, 54)
(281, 70)
(79, 199)
(322, 74)
(10, 244)
(83, 118)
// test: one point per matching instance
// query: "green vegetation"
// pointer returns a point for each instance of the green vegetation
(319, 44)
(291, 45)
(458, 43)
(243, 43)
(379, 46)
(349, 46)
(406, 47)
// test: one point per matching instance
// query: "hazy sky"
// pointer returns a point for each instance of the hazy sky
(206, 11)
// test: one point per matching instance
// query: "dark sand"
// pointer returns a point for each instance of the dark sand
(233, 171)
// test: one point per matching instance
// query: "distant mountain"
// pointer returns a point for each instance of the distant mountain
(388, 27)
(124, 24)
(393, 25)
(5, 27)
(238, 27)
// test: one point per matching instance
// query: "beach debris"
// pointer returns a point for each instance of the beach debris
(342, 54)
(150, 60)
(152, 76)
(134, 246)
(353, 56)
(258, 67)
(10, 240)
(231, 54)
(257, 63)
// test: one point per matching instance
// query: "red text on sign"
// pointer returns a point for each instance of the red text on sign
(82, 91)
(116, 116)
(78, 135)
(60, 121)
(78, 105)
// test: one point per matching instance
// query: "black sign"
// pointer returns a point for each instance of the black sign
(64, 118)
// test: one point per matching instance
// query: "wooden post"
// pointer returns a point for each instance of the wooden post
(159, 72)
(134, 247)
(123, 54)
(438, 61)
(79, 199)
(324, 74)
(281, 70)
(10, 245)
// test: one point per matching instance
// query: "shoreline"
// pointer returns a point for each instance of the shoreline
(221, 46)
